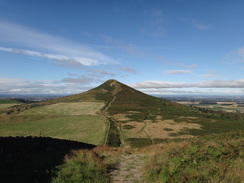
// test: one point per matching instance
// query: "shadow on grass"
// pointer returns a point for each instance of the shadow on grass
(33, 159)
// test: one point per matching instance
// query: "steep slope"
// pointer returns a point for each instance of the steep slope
(101, 93)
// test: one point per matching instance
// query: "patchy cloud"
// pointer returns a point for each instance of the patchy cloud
(127, 69)
(67, 86)
(84, 80)
(194, 91)
(211, 74)
(178, 72)
(50, 47)
(101, 73)
(129, 48)
(202, 84)
(58, 59)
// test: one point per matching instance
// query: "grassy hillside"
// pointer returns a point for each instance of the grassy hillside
(79, 121)
(214, 158)
(143, 120)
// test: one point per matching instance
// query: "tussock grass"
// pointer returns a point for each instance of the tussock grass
(82, 166)
(216, 158)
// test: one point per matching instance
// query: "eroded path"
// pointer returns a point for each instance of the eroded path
(129, 170)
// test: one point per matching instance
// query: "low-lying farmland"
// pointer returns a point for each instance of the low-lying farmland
(6, 103)
(80, 121)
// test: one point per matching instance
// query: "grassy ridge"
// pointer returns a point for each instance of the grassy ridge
(215, 158)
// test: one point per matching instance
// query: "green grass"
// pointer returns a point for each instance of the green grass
(215, 158)
(6, 103)
(73, 108)
(82, 166)
(9, 101)
(79, 121)
(4, 106)
(86, 128)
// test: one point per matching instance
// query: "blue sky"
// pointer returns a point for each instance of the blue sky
(158, 46)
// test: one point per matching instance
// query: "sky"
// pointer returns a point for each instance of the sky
(160, 47)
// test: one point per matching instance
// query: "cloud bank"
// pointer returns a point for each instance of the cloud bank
(202, 84)
(66, 86)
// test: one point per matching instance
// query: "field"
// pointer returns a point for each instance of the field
(79, 121)
(218, 106)
(6, 103)
(163, 120)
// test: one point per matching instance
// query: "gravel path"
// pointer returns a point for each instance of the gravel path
(129, 170)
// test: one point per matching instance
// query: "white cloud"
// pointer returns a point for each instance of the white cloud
(202, 84)
(178, 72)
(59, 59)
(186, 92)
(21, 86)
(28, 41)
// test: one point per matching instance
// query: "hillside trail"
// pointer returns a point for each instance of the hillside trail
(104, 111)
(129, 170)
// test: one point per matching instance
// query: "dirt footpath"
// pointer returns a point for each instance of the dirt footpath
(129, 170)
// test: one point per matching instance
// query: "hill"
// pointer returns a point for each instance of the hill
(127, 117)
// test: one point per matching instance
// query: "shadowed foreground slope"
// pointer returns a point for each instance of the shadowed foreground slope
(33, 159)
